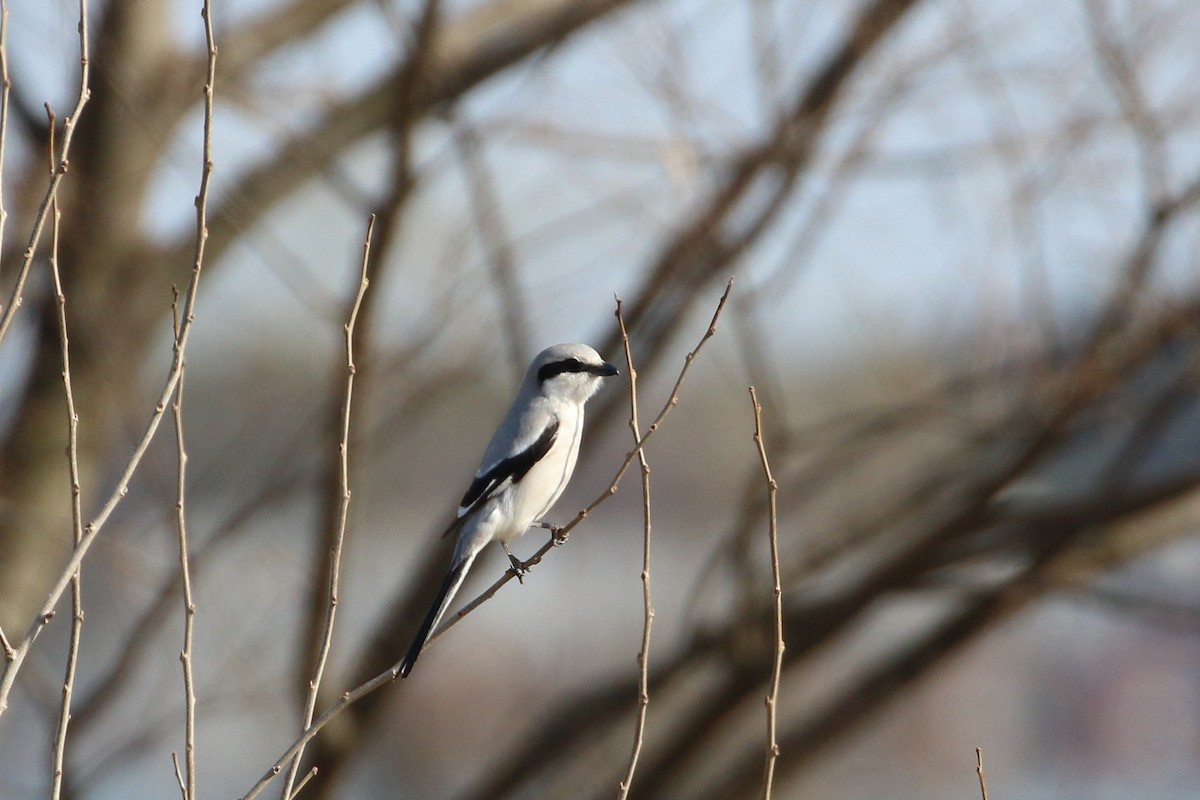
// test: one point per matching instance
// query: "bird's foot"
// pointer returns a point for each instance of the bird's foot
(557, 535)
(518, 568)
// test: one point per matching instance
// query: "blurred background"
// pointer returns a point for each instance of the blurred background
(964, 238)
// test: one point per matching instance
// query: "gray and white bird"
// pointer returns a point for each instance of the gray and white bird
(524, 469)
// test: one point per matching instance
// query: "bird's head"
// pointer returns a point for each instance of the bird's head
(569, 372)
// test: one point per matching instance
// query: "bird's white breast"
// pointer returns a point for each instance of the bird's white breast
(544, 483)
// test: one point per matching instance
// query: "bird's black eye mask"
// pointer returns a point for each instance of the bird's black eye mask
(548, 371)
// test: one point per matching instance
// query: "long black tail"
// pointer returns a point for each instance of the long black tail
(449, 588)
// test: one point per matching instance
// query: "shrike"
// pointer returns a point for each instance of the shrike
(524, 469)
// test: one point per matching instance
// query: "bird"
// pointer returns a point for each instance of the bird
(524, 469)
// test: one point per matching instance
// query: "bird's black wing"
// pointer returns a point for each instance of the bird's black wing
(508, 470)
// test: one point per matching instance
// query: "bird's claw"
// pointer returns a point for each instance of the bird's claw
(558, 536)
(518, 568)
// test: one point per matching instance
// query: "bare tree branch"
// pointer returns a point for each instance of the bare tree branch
(979, 771)
(777, 592)
(64, 717)
(56, 178)
(643, 657)
(187, 784)
(335, 557)
(5, 91)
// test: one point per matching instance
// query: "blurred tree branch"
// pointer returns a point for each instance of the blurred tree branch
(463, 53)
(752, 190)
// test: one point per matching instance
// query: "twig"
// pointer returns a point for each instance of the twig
(335, 559)
(391, 673)
(9, 674)
(979, 771)
(5, 89)
(777, 591)
(308, 776)
(59, 748)
(60, 171)
(643, 658)
(560, 536)
(189, 606)
(179, 774)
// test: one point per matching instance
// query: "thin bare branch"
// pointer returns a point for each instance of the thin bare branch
(64, 717)
(777, 594)
(979, 771)
(56, 178)
(181, 327)
(180, 342)
(179, 774)
(308, 776)
(343, 514)
(188, 786)
(5, 91)
(643, 657)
